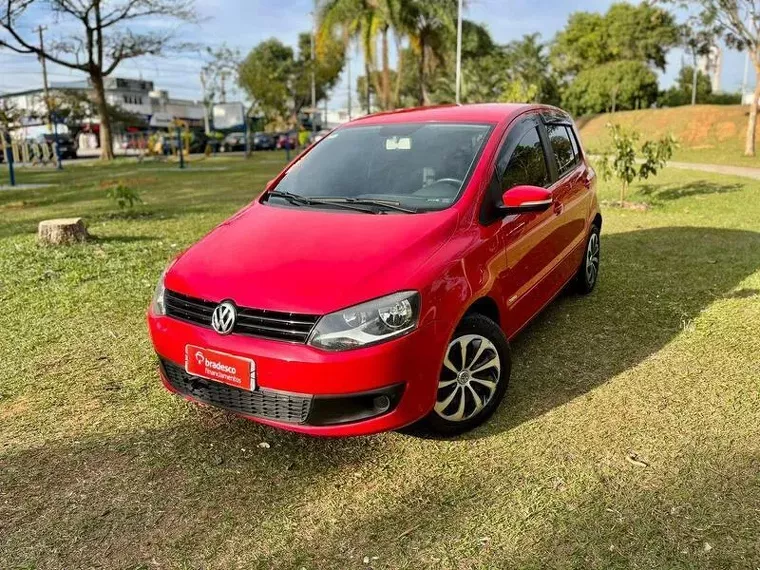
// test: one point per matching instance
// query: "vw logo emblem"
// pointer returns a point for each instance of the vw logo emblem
(223, 319)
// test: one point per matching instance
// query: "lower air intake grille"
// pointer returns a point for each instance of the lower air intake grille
(259, 403)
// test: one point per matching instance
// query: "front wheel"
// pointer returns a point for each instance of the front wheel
(473, 378)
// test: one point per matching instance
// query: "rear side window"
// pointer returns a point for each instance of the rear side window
(574, 142)
(564, 148)
(527, 165)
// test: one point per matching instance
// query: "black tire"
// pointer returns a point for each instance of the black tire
(588, 276)
(479, 325)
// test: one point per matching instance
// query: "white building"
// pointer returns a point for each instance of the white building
(336, 117)
(136, 96)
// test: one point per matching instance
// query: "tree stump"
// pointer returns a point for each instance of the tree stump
(62, 231)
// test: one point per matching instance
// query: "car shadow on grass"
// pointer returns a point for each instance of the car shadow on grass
(158, 494)
(653, 283)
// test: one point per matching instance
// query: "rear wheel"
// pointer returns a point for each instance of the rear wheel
(473, 378)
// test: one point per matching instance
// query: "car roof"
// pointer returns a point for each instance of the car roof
(472, 113)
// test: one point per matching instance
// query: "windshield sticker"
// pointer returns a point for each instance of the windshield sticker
(398, 143)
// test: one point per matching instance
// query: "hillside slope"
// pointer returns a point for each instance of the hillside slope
(706, 133)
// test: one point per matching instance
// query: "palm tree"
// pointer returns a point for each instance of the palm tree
(363, 21)
(429, 26)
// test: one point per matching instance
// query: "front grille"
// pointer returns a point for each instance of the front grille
(259, 403)
(253, 322)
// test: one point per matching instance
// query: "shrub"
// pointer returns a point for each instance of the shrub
(621, 162)
(124, 196)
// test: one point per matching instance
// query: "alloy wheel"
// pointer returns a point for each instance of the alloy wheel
(470, 374)
(592, 259)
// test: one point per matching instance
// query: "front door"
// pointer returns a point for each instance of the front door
(529, 238)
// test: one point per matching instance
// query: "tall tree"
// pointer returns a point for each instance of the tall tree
(354, 21)
(612, 86)
(429, 26)
(279, 80)
(624, 33)
(222, 65)
(106, 35)
(738, 23)
(528, 64)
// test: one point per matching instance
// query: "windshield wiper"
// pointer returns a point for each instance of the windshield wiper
(387, 204)
(300, 200)
(292, 198)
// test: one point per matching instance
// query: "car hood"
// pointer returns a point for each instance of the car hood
(307, 260)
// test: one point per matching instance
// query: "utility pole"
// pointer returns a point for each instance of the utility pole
(206, 126)
(459, 52)
(694, 81)
(313, 77)
(222, 91)
(348, 67)
(40, 30)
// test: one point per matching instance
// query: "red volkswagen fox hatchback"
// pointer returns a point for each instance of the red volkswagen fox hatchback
(378, 279)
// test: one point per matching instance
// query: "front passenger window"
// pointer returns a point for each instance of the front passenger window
(527, 165)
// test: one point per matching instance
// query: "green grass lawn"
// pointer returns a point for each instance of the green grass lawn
(628, 437)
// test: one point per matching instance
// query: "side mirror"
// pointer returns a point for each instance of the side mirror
(522, 199)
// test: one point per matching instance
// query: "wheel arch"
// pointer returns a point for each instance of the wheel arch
(597, 221)
(485, 306)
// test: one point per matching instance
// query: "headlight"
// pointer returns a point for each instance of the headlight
(157, 304)
(369, 323)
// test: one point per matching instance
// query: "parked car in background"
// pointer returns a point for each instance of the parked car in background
(287, 139)
(461, 225)
(233, 142)
(66, 146)
(263, 141)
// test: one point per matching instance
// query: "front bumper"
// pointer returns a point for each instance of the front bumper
(304, 389)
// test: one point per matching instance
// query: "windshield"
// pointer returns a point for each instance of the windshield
(418, 166)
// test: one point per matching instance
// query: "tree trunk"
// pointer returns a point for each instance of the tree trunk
(399, 71)
(749, 144)
(386, 73)
(367, 81)
(106, 140)
(623, 192)
(421, 72)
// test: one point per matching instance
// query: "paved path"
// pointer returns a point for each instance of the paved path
(745, 171)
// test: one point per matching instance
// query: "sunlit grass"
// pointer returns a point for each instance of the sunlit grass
(628, 437)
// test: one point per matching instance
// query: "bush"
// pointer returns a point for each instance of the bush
(124, 196)
(621, 162)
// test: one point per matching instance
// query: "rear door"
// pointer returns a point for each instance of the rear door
(570, 192)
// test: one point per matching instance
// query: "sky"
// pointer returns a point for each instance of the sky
(242, 24)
